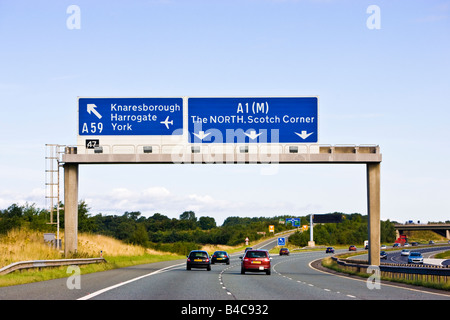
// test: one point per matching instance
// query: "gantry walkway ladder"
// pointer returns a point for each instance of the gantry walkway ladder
(53, 155)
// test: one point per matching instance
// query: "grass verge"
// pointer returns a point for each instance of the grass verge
(113, 262)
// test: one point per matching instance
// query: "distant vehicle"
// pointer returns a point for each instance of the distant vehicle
(402, 239)
(406, 244)
(415, 257)
(383, 246)
(405, 252)
(249, 248)
(220, 256)
(330, 250)
(396, 245)
(256, 261)
(352, 248)
(198, 259)
(284, 251)
(431, 242)
(383, 255)
(414, 244)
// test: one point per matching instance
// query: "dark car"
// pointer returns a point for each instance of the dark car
(256, 261)
(383, 255)
(220, 256)
(352, 248)
(284, 251)
(330, 250)
(198, 259)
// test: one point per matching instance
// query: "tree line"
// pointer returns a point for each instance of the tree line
(352, 230)
(189, 232)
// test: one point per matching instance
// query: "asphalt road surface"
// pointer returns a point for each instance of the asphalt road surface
(292, 278)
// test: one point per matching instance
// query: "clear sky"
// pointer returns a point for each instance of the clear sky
(380, 80)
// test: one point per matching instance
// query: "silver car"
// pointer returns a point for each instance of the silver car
(415, 257)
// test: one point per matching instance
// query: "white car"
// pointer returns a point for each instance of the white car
(405, 252)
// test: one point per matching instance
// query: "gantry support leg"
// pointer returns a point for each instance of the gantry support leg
(70, 209)
(373, 204)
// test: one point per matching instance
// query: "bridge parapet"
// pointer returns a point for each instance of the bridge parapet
(443, 229)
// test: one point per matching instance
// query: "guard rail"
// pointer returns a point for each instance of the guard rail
(437, 274)
(47, 263)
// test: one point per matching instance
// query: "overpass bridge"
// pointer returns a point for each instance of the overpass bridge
(442, 229)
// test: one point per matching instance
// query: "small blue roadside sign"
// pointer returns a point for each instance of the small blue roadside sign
(253, 120)
(130, 116)
(281, 241)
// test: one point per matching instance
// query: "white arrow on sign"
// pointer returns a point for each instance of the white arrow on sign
(253, 134)
(91, 108)
(201, 134)
(304, 134)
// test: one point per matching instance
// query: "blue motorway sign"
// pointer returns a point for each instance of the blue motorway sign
(281, 241)
(294, 221)
(130, 116)
(258, 120)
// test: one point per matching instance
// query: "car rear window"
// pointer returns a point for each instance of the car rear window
(256, 254)
(198, 255)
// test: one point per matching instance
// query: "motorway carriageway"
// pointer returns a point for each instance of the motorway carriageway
(293, 278)
(394, 256)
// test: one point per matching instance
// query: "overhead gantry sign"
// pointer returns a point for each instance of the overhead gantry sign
(258, 130)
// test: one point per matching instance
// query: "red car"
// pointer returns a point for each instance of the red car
(352, 248)
(256, 261)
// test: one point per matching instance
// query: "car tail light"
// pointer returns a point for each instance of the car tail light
(189, 260)
(207, 260)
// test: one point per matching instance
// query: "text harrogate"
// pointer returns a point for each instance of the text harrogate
(131, 117)
(145, 108)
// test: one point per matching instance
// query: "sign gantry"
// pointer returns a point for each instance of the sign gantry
(164, 130)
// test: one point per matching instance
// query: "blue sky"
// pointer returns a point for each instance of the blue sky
(387, 86)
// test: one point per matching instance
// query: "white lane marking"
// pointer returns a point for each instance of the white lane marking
(298, 281)
(91, 295)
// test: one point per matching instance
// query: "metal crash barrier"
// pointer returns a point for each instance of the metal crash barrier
(47, 263)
